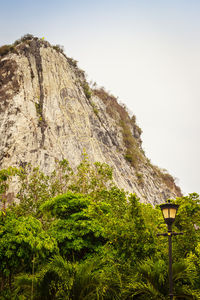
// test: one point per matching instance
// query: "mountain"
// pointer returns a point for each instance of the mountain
(48, 112)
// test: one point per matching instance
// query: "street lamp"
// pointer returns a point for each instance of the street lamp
(169, 211)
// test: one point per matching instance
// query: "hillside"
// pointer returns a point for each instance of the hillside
(48, 112)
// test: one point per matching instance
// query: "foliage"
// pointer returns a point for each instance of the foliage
(35, 187)
(5, 178)
(72, 62)
(76, 232)
(24, 38)
(126, 227)
(94, 107)
(23, 242)
(91, 178)
(54, 281)
(166, 178)
(5, 49)
(113, 108)
(133, 153)
(75, 235)
(140, 178)
(59, 48)
(86, 90)
(150, 282)
(188, 220)
(61, 279)
(34, 190)
(60, 178)
(120, 114)
(193, 266)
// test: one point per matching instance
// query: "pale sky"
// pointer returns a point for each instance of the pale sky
(145, 52)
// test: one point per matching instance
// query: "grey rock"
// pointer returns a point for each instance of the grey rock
(46, 116)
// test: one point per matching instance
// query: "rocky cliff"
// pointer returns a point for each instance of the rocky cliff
(48, 112)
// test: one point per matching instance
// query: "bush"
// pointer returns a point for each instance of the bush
(6, 49)
(27, 37)
(24, 38)
(120, 114)
(128, 157)
(59, 48)
(72, 62)
(167, 179)
(94, 107)
(86, 90)
(140, 178)
(113, 108)
(133, 154)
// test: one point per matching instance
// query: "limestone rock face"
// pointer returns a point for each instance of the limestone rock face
(46, 114)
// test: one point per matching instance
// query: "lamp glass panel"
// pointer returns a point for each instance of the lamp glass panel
(165, 212)
(172, 213)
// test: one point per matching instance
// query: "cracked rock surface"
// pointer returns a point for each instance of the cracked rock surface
(45, 115)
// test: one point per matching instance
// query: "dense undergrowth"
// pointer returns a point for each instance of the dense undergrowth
(75, 235)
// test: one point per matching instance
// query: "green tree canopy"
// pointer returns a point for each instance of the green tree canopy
(76, 232)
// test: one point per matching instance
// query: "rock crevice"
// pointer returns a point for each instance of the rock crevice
(46, 114)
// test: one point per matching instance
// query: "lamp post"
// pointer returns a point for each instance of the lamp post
(169, 211)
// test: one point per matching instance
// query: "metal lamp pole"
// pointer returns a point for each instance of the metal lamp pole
(169, 211)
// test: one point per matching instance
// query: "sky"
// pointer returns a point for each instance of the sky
(145, 52)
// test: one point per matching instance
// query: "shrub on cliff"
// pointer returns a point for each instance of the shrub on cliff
(6, 49)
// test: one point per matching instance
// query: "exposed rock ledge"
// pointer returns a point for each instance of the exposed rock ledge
(46, 114)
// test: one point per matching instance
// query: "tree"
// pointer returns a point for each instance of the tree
(91, 178)
(60, 178)
(128, 235)
(76, 232)
(90, 279)
(23, 245)
(193, 265)
(149, 280)
(36, 187)
(5, 178)
(34, 190)
(187, 221)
